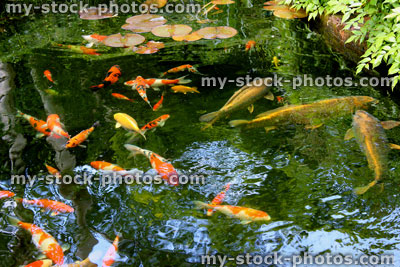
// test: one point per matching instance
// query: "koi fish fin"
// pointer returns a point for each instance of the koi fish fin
(54, 213)
(195, 90)
(156, 88)
(201, 205)
(363, 189)
(181, 80)
(349, 134)
(135, 150)
(118, 125)
(269, 96)
(269, 128)
(96, 124)
(313, 126)
(39, 135)
(12, 220)
(82, 146)
(209, 116)
(90, 45)
(389, 124)
(42, 257)
(394, 146)
(250, 108)
(238, 123)
(245, 222)
(142, 134)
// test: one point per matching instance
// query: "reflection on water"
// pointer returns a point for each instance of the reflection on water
(302, 178)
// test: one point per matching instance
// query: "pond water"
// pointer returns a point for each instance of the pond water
(304, 179)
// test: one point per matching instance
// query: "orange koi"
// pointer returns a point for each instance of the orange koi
(40, 263)
(218, 199)
(109, 257)
(6, 194)
(37, 124)
(141, 86)
(189, 67)
(250, 45)
(158, 105)
(53, 171)
(47, 74)
(246, 215)
(42, 240)
(119, 96)
(103, 165)
(48, 204)
(55, 126)
(160, 164)
(78, 139)
(112, 77)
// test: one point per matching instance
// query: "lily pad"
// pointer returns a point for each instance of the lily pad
(94, 13)
(146, 20)
(136, 28)
(221, 32)
(194, 36)
(171, 30)
(130, 39)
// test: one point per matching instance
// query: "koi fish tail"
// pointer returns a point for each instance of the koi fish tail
(238, 123)
(135, 150)
(132, 137)
(182, 80)
(209, 116)
(142, 134)
(210, 212)
(363, 189)
(96, 124)
(201, 205)
(19, 114)
(97, 87)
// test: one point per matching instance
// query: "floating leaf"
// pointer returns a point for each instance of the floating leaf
(136, 28)
(221, 32)
(171, 30)
(117, 40)
(290, 14)
(222, 2)
(146, 20)
(94, 13)
(194, 36)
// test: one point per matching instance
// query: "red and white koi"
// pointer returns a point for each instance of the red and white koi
(94, 39)
(6, 194)
(40, 263)
(111, 254)
(156, 83)
(160, 164)
(42, 240)
(51, 205)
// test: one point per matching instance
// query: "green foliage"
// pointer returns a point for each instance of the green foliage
(373, 21)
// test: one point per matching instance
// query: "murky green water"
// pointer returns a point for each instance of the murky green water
(302, 178)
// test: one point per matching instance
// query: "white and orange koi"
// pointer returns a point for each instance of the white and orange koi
(156, 83)
(78, 139)
(111, 254)
(218, 199)
(55, 126)
(103, 165)
(246, 215)
(52, 205)
(141, 86)
(160, 164)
